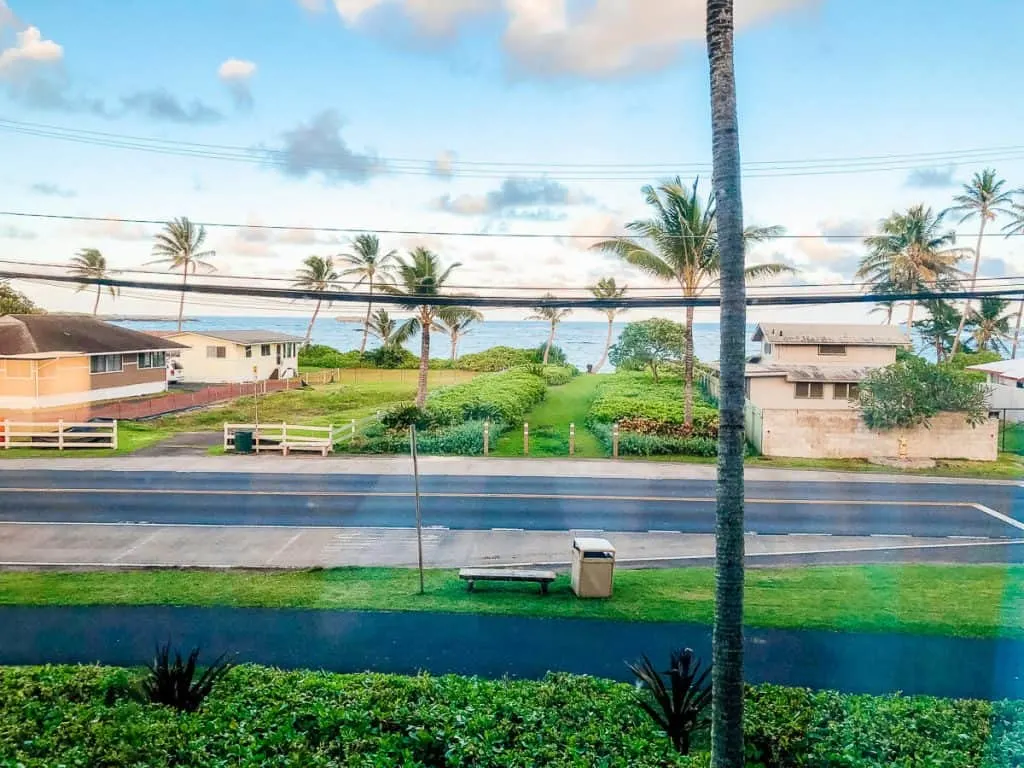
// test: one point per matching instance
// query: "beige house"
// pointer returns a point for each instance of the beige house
(237, 356)
(1005, 381)
(55, 360)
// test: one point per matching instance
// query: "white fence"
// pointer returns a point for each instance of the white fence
(285, 437)
(59, 434)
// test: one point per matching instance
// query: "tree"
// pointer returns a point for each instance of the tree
(369, 265)
(682, 247)
(318, 275)
(985, 197)
(885, 305)
(387, 330)
(553, 316)
(456, 322)
(420, 275)
(938, 330)
(910, 254)
(180, 247)
(607, 289)
(89, 263)
(910, 391)
(649, 344)
(1016, 227)
(727, 637)
(14, 302)
(989, 324)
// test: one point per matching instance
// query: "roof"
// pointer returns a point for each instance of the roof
(248, 337)
(38, 335)
(830, 333)
(810, 372)
(1011, 369)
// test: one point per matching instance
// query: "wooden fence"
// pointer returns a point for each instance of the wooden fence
(285, 437)
(58, 434)
(436, 377)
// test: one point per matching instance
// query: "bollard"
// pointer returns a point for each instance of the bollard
(353, 426)
(487, 437)
(615, 440)
(526, 438)
(572, 439)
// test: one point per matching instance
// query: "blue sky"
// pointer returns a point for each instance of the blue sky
(345, 91)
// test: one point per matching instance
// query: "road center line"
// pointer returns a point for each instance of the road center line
(999, 516)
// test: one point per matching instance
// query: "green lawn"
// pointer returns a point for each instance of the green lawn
(1011, 439)
(929, 599)
(549, 423)
(131, 436)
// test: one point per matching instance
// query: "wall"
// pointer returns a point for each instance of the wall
(28, 384)
(839, 434)
(855, 355)
(1008, 400)
(236, 367)
(776, 392)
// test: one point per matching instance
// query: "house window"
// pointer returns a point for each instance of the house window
(767, 348)
(844, 391)
(151, 360)
(810, 390)
(248, 351)
(220, 352)
(105, 364)
(831, 350)
(264, 350)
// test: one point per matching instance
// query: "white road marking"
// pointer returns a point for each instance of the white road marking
(999, 516)
(808, 534)
(283, 547)
(507, 529)
(140, 543)
(654, 530)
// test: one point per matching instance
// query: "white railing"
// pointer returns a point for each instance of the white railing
(58, 434)
(285, 437)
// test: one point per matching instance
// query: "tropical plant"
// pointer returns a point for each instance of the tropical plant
(370, 266)
(89, 263)
(1016, 227)
(679, 708)
(422, 277)
(456, 322)
(985, 197)
(910, 254)
(174, 684)
(681, 244)
(316, 275)
(14, 302)
(888, 306)
(910, 391)
(607, 289)
(180, 247)
(553, 316)
(938, 329)
(649, 344)
(989, 324)
(388, 330)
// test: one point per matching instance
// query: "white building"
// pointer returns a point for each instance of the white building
(237, 356)
(1005, 379)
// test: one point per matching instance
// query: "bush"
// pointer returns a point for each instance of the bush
(496, 359)
(635, 444)
(404, 415)
(556, 356)
(556, 375)
(633, 395)
(323, 356)
(910, 392)
(175, 683)
(503, 396)
(392, 357)
(705, 424)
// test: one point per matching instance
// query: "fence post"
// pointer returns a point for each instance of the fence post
(7, 434)
(615, 440)
(487, 437)
(572, 439)
(526, 438)
(60, 434)
(113, 437)
(353, 427)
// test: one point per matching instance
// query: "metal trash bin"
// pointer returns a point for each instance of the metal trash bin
(243, 441)
(593, 567)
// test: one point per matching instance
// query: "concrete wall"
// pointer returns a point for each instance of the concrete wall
(776, 392)
(842, 434)
(855, 355)
(235, 367)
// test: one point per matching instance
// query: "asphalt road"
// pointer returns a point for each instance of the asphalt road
(529, 503)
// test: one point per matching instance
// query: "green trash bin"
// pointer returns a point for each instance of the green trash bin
(243, 441)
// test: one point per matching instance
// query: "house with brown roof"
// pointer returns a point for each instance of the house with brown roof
(61, 359)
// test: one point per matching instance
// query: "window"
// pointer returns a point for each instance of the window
(264, 350)
(291, 349)
(844, 391)
(248, 351)
(831, 350)
(217, 352)
(105, 364)
(767, 348)
(151, 360)
(810, 390)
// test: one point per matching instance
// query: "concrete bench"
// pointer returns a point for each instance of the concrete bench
(473, 575)
(323, 447)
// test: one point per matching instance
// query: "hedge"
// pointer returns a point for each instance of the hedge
(636, 444)
(77, 716)
(556, 375)
(497, 359)
(627, 395)
(464, 439)
(505, 396)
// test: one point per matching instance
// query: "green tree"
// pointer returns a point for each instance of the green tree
(420, 276)
(984, 198)
(938, 330)
(90, 264)
(607, 289)
(909, 392)
(681, 244)
(180, 247)
(553, 316)
(649, 344)
(910, 254)
(888, 306)
(989, 324)
(14, 302)
(456, 322)
(370, 266)
(1016, 227)
(388, 330)
(317, 274)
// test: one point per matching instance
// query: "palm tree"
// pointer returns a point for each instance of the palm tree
(317, 274)
(90, 263)
(1016, 227)
(984, 198)
(553, 316)
(387, 330)
(607, 289)
(990, 324)
(727, 637)
(940, 327)
(456, 322)
(372, 267)
(180, 247)
(683, 238)
(910, 254)
(420, 276)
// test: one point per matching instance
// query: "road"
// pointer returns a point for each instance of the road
(473, 502)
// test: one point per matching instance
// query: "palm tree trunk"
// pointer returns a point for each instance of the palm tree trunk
(455, 346)
(974, 282)
(366, 322)
(551, 340)
(910, 317)
(607, 346)
(96, 304)
(1016, 330)
(312, 321)
(181, 304)
(688, 370)
(421, 384)
(727, 639)
(888, 314)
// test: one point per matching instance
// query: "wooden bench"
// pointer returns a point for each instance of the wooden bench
(473, 575)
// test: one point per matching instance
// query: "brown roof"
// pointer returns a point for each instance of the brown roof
(246, 337)
(75, 334)
(830, 333)
(807, 371)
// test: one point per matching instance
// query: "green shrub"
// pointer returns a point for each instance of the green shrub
(635, 444)
(556, 375)
(323, 356)
(556, 355)
(633, 395)
(496, 359)
(505, 396)
(404, 415)
(392, 357)
(705, 424)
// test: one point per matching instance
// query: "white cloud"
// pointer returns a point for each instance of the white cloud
(444, 165)
(236, 69)
(29, 48)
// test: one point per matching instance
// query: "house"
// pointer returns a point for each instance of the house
(1005, 379)
(62, 359)
(237, 356)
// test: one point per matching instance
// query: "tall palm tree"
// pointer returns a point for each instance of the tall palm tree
(985, 197)
(90, 263)
(372, 267)
(1016, 227)
(180, 247)
(317, 274)
(939, 328)
(420, 276)
(553, 316)
(727, 637)
(455, 322)
(911, 254)
(607, 289)
(683, 248)
(990, 324)
(388, 330)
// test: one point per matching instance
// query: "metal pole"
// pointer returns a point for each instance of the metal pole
(256, 397)
(419, 514)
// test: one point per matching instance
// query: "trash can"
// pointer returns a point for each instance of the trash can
(593, 566)
(243, 441)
